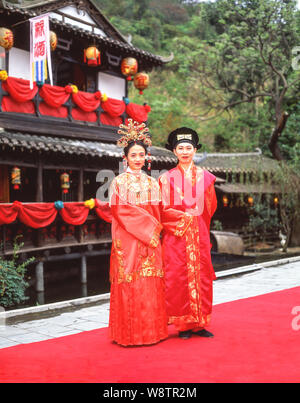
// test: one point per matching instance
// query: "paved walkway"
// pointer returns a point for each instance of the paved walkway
(267, 279)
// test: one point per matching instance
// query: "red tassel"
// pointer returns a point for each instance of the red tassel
(84, 56)
(141, 93)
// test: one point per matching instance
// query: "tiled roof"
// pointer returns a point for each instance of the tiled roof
(251, 188)
(215, 163)
(236, 162)
(23, 141)
(121, 45)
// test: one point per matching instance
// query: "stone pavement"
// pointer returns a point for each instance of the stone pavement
(254, 280)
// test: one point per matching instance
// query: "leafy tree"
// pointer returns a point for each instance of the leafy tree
(251, 62)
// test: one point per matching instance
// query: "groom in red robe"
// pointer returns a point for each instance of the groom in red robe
(189, 273)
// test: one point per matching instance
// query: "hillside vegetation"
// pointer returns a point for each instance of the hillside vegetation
(232, 76)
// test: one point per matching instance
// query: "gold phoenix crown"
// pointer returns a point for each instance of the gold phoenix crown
(134, 131)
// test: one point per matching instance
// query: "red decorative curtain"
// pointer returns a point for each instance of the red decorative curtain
(74, 213)
(34, 215)
(79, 114)
(8, 214)
(54, 96)
(39, 215)
(113, 107)
(45, 109)
(10, 105)
(20, 100)
(139, 113)
(86, 101)
(103, 210)
(106, 119)
(19, 89)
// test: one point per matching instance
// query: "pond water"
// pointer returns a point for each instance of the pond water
(62, 279)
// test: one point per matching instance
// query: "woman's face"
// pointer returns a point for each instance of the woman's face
(185, 152)
(136, 157)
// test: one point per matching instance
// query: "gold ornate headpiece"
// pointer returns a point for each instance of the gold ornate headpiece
(134, 131)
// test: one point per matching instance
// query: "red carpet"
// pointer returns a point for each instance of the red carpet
(254, 342)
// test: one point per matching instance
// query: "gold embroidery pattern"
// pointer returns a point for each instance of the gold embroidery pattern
(183, 225)
(147, 266)
(118, 256)
(156, 237)
(194, 280)
(136, 189)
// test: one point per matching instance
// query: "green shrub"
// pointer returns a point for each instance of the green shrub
(12, 277)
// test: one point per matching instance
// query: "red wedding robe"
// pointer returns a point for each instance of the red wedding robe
(137, 299)
(187, 261)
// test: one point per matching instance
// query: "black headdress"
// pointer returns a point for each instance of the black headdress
(183, 135)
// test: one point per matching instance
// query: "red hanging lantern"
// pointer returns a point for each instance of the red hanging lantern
(16, 177)
(6, 38)
(250, 201)
(225, 201)
(53, 40)
(92, 56)
(129, 67)
(141, 81)
(65, 182)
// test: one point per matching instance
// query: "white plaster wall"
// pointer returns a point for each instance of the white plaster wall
(113, 87)
(19, 63)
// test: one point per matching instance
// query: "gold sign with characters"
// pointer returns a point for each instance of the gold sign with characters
(184, 136)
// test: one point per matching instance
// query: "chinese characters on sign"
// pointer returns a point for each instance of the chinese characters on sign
(40, 56)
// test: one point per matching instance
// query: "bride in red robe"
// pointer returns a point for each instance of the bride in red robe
(187, 261)
(137, 297)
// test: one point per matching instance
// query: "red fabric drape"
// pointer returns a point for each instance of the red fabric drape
(10, 105)
(79, 114)
(113, 107)
(34, 215)
(37, 215)
(106, 119)
(20, 96)
(8, 214)
(45, 109)
(19, 89)
(86, 101)
(54, 96)
(103, 210)
(139, 113)
(74, 213)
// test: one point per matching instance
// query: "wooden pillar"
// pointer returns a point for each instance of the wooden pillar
(83, 270)
(80, 195)
(39, 275)
(39, 195)
(39, 188)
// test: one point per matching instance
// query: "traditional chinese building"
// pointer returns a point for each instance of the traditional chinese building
(54, 139)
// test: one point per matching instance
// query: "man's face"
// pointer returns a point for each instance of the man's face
(185, 152)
